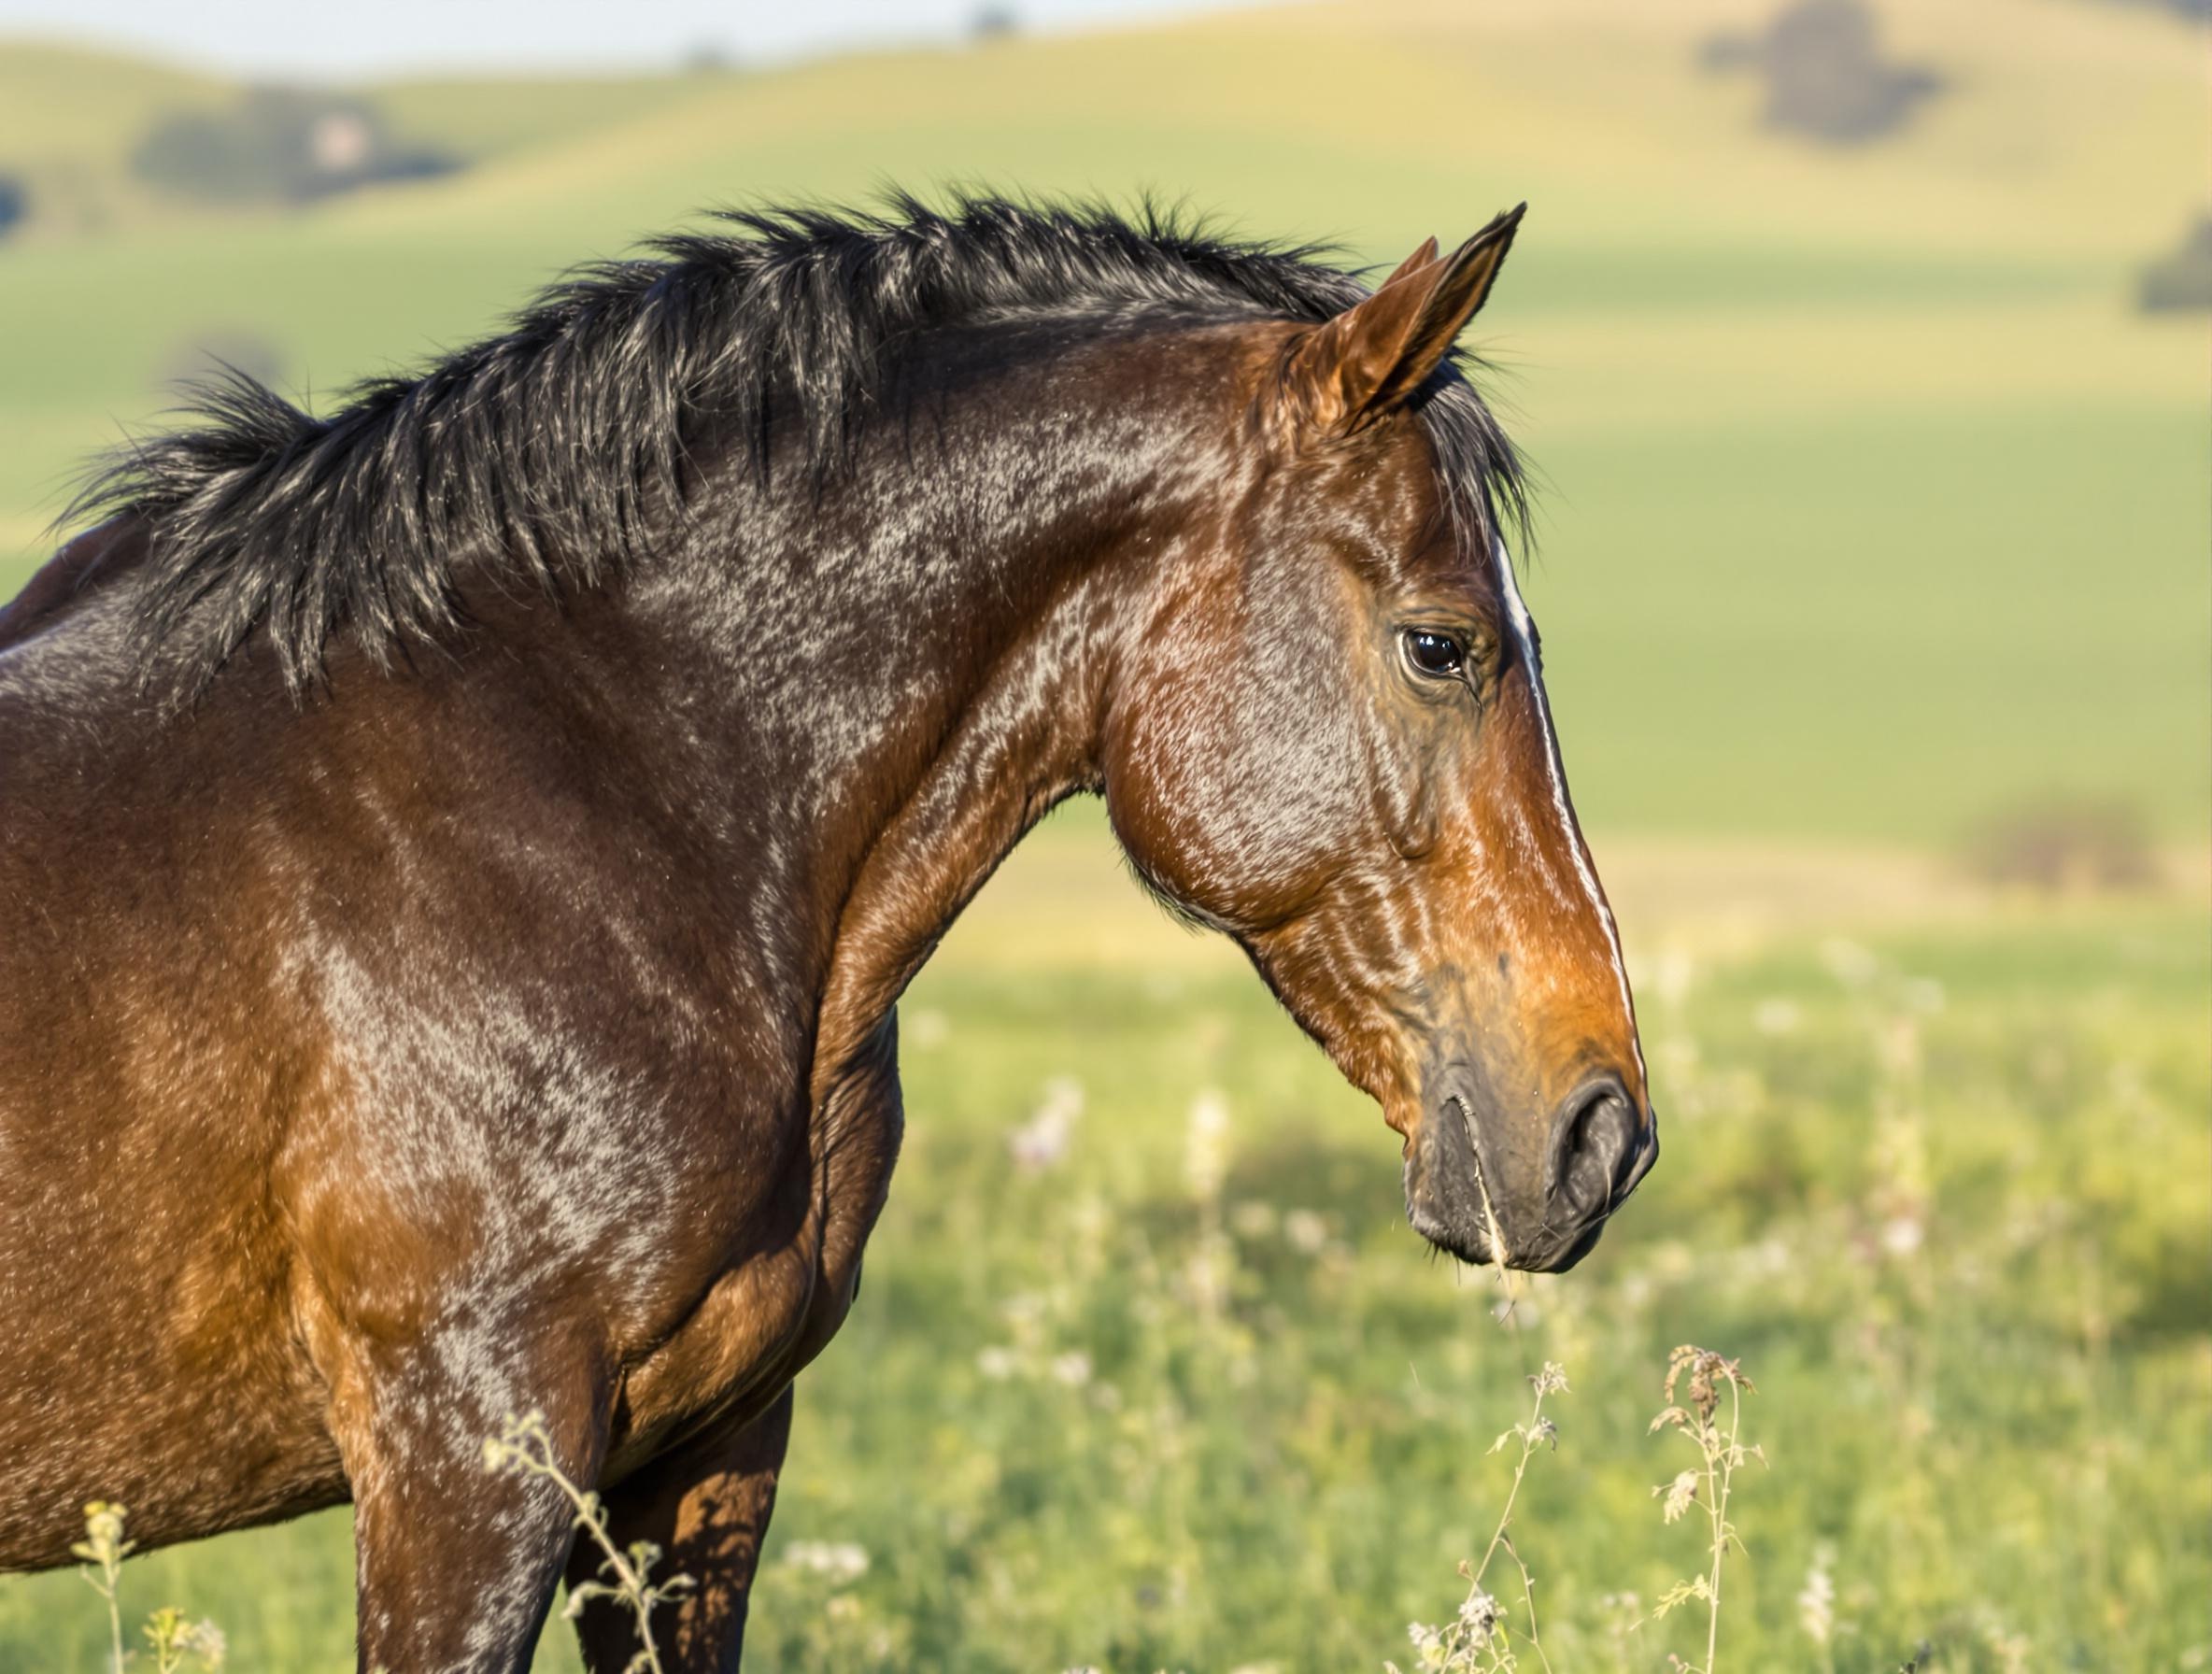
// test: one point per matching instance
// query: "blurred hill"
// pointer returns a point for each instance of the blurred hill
(72, 120)
(2087, 112)
(1873, 499)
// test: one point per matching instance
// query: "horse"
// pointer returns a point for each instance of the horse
(462, 855)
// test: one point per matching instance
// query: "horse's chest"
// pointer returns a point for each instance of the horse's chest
(771, 1309)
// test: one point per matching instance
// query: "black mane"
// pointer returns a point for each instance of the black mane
(560, 447)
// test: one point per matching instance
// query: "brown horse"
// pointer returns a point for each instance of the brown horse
(462, 855)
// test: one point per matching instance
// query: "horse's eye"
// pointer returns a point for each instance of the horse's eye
(1437, 655)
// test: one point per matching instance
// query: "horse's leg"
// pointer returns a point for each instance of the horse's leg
(705, 1504)
(455, 1563)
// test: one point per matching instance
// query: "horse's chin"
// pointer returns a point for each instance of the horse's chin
(1470, 1243)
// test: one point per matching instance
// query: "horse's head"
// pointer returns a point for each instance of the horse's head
(1343, 754)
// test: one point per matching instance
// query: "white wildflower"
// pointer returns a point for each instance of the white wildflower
(1849, 962)
(205, 1641)
(1206, 1151)
(1777, 1018)
(1670, 977)
(840, 1561)
(1816, 1599)
(1479, 1615)
(1042, 1141)
(1073, 1368)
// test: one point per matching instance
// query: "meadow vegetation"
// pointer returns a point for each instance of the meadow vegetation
(1873, 508)
(1148, 1372)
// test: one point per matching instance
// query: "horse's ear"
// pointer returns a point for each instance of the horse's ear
(1415, 262)
(1350, 370)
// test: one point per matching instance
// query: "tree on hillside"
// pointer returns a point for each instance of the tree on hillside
(1825, 75)
(708, 57)
(2188, 8)
(284, 145)
(2183, 278)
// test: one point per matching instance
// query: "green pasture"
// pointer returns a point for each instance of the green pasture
(1868, 506)
(1870, 503)
(1176, 1402)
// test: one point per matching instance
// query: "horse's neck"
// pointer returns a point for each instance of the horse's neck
(916, 667)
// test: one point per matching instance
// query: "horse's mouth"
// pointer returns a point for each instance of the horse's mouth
(1471, 1245)
(1450, 1203)
(1448, 1195)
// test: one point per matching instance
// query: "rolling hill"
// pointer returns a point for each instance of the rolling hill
(1871, 501)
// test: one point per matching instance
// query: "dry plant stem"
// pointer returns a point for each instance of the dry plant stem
(115, 1620)
(526, 1447)
(1533, 1431)
(104, 1545)
(115, 1623)
(628, 1581)
(1720, 1468)
(1504, 1517)
(1720, 1447)
(1536, 1640)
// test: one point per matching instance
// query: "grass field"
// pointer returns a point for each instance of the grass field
(1939, 1182)
(1870, 505)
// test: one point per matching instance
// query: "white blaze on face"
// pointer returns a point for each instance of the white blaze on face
(1524, 632)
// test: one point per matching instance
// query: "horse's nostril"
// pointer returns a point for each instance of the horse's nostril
(1593, 1146)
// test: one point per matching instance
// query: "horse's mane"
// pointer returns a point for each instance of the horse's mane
(560, 449)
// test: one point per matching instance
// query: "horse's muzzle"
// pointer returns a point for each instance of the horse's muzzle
(1478, 1189)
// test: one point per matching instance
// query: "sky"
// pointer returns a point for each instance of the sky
(329, 40)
